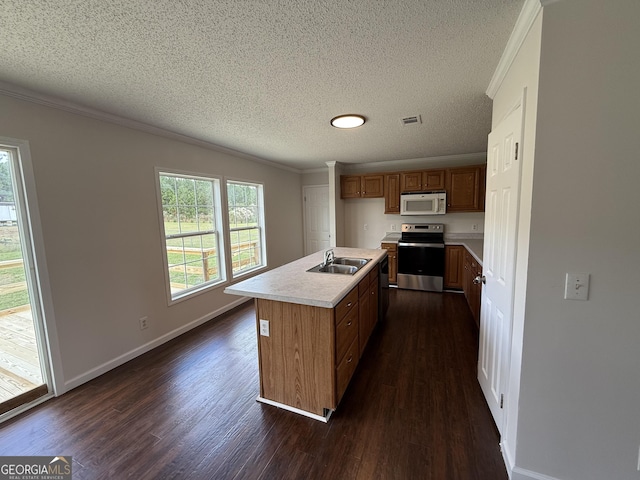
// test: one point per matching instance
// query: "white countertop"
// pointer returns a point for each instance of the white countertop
(391, 237)
(293, 284)
(473, 242)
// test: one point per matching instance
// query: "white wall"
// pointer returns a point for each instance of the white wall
(359, 212)
(97, 200)
(315, 177)
(580, 384)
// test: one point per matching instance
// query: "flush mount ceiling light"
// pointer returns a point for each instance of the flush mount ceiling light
(347, 121)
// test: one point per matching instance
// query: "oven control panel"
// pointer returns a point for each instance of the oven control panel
(423, 227)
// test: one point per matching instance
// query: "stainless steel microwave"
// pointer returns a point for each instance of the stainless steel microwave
(425, 203)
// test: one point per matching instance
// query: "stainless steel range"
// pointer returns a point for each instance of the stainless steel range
(421, 257)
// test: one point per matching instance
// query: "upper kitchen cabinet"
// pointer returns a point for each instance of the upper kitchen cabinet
(422, 181)
(392, 193)
(350, 186)
(465, 188)
(362, 186)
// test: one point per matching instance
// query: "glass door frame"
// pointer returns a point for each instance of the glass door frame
(36, 270)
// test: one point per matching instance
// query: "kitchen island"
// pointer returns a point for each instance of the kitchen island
(312, 328)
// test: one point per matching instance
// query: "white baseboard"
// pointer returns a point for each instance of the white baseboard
(522, 474)
(136, 352)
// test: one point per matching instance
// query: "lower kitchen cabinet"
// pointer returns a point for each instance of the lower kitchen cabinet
(472, 291)
(454, 266)
(392, 253)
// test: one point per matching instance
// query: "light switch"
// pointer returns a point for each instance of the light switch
(576, 286)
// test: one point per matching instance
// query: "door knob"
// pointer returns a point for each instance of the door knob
(480, 279)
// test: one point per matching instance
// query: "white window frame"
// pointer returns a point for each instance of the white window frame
(218, 231)
(262, 264)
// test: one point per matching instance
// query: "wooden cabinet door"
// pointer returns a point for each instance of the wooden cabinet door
(363, 319)
(350, 186)
(410, 182)
(433, 180)
(392, 253)
(472, 292)
(465, 189)
(372, 186)
(392, 193)
(454, 266)
(373, 305)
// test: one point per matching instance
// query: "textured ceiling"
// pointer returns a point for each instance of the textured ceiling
(264, 77)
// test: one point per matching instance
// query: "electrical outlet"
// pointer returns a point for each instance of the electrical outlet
(366, 227)
(144, 323)
(264, 328)
(475, 226)
(393, 226)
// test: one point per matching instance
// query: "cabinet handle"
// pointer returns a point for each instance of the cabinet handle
(350, 358)
(349, 304)
(349, 323)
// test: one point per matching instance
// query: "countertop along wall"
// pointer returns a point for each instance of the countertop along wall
(370, 212)
(96, 191)
(359, 212)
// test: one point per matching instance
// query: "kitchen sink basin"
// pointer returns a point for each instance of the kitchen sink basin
(332, 268)
(356, 262)
(343, 265)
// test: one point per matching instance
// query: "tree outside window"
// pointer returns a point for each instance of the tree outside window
(246, 226)
(190, 211)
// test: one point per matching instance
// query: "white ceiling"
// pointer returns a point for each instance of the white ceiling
(264, 77)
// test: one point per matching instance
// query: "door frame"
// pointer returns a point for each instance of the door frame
(44, 320)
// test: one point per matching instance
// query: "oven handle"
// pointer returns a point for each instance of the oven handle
(425, 245)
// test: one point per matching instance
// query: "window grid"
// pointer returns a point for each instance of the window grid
(245, 226)
(191, 239)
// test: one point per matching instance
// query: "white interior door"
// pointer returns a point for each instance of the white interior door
(316, 218)
(499, 256)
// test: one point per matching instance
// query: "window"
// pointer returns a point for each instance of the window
(246, 226)
(191, 221)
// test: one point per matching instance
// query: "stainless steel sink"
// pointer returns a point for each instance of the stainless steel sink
(331, 268)
(356, 262)
(343, 265)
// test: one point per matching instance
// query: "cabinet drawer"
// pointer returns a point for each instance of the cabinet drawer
(345, 369)
(390, 247)
(346, 304)
(346, 332)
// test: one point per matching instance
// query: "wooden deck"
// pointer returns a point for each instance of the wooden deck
(19, 363)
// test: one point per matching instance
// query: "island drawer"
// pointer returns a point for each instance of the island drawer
(346, 304)
(346, 332)
(345, 369)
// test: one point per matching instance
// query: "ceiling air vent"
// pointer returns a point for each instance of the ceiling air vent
(415, 120)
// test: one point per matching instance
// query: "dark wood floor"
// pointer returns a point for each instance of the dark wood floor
(187, 410)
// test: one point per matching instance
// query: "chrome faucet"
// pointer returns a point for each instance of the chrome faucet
(328, 257)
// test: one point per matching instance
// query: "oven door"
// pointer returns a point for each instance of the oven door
(421, 266)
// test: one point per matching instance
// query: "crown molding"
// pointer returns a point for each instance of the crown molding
(20, 93)
(527, 16)
(415, 163)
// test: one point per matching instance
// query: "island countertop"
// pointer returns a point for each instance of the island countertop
(293, 284)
